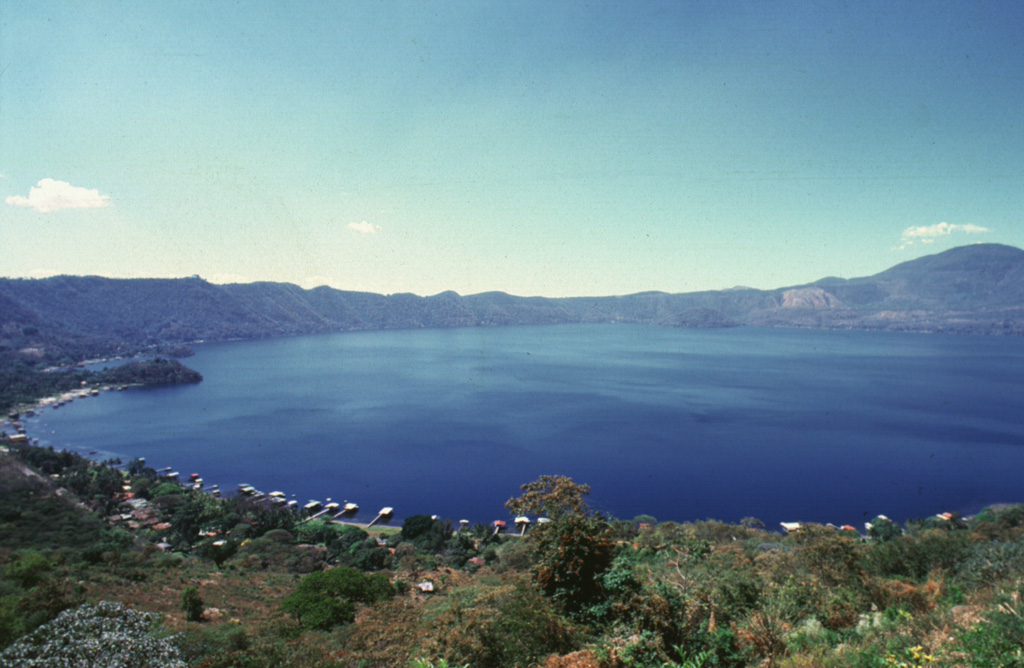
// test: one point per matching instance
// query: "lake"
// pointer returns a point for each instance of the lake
(783, 425)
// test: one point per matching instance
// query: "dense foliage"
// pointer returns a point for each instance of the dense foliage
(327, 598)
(249, 584)
(23, 383)
(105, 634)
(151, 372)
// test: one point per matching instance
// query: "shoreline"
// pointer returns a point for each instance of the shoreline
(340, 462)
(387, 525)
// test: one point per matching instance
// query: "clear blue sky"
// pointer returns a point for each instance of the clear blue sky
(537, 148)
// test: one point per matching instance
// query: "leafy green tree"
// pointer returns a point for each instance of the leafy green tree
(572, 550)
(368, 556)
(883, 529)
(138, 468)
(426, 533)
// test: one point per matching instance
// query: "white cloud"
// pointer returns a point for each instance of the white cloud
(927, 234)
(50, 195)
(364, 228)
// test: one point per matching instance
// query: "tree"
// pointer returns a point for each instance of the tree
(572, 551)
(552, 496)
(192, 604)
(426, 533)
(883, 529)
(29, 569)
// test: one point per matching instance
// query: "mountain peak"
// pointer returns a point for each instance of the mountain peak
(974, 256)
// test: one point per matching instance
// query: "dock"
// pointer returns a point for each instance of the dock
(385, 513)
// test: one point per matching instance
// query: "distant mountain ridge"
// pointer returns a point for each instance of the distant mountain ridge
(969, 289)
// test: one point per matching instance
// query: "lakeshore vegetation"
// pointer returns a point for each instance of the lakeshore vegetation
(183, 578)
(112, 564)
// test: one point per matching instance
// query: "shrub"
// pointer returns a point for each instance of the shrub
(318, 610)
(999, 640)
(220, 640)
(192, 604)
(646, 651)
(990, 562)
(570, 555)
(326, 598)
(105, 634)
(166, 489)
(507, 625)
(883, 529)
(29, 569)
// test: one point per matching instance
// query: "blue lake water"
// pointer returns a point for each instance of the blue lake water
(782, 425)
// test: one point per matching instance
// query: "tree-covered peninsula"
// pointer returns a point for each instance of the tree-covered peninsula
(23, 384)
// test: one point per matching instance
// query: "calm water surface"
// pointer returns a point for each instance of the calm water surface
(680, 424)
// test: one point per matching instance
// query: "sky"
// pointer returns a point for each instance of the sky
(536, 148)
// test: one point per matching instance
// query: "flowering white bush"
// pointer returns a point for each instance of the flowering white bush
(105, 634)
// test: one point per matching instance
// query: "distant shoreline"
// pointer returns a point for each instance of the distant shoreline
(704, 400)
